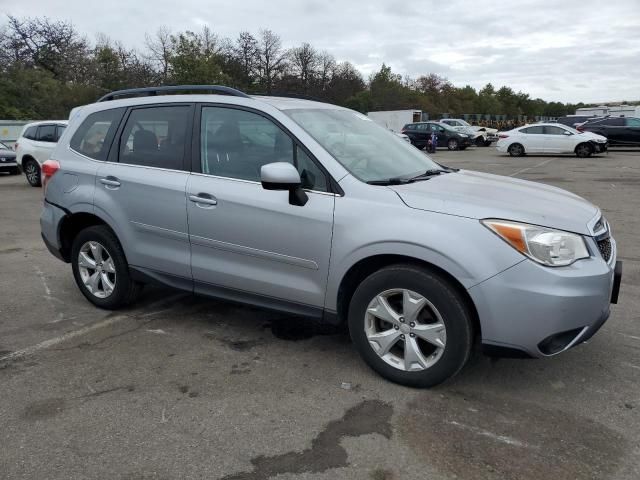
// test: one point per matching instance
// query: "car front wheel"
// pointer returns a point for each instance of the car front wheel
(452, 144)
(410, 325)
(584, 150)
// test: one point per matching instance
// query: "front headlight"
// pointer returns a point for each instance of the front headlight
(554, 248)
(463, 135)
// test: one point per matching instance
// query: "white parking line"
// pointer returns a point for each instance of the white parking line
(531, 168)
(89, 328)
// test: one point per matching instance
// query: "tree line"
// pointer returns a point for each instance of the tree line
(47, 67)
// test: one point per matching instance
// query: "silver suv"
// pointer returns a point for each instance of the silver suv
(314, 210)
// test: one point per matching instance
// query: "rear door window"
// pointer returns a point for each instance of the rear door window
(94, 137)
(549, 130)
(47, 133)
(535, 130)
(31, 133)
(156, 137)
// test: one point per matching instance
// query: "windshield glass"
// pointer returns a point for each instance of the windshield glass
(464, 123)
(367, 150)
(4, 146)
(571, 129)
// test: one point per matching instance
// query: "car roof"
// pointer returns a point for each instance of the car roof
(280, 103)
(46, 122)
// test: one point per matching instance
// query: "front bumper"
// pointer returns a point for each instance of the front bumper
(8, 165)
(543, 311)
(600, 147)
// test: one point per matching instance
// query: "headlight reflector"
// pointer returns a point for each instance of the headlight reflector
(554, 248)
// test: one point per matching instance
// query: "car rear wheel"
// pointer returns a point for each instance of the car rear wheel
(410, 325)
(32, 172)
(480, 142)
(100, 269)
(452, 144)
(584, 150)
(516, 150)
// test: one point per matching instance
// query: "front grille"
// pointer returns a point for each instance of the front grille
(605, 248)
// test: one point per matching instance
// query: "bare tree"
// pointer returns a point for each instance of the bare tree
(272, 59)
(304, 62)
(53, 46)
(160, 50)
(246, 53)
(326, 69)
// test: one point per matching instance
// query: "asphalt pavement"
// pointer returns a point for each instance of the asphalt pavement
(179, 386)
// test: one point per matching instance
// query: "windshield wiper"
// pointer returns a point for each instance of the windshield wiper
(403, 180)
(428, 174)
(389, 181)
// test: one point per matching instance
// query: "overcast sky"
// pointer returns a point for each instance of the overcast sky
(564, 50)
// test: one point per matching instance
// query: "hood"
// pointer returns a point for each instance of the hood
(486, 129)
(482, 195)
(7, 153)
(593, 136)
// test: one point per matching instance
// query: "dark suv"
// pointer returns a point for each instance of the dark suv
(621, 131)
(419, 134)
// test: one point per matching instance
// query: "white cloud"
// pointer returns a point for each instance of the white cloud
(574, 50)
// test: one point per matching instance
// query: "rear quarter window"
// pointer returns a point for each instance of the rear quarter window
(95, 135)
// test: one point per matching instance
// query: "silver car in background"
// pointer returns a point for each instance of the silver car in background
(314, 210)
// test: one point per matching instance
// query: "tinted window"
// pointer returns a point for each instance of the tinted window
(59, 131)
(612, 122)
(93, 138)
(633, 122)
(155, 137)
(237, 143)
(537, 130)
(46, 133)
(30, 133)
(548, 130)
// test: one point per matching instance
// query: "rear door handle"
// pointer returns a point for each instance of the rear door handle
(110, 182)
(203, 199)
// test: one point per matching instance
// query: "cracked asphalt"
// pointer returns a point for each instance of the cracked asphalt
(179, 386)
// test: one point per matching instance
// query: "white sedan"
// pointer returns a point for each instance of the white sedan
(550, 138)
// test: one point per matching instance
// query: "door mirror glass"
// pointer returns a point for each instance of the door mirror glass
(284, 176)
(567, 133)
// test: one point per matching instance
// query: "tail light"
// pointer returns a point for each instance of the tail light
(49, 169)
(502, 135)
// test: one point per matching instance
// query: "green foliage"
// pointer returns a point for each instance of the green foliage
(47, 68)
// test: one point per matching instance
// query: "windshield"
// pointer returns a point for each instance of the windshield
(571, 129)
(367, 150)
(4, 146)
(464, 123)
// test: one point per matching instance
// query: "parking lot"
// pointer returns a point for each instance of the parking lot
(179, 386)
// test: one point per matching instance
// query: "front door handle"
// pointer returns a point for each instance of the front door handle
(203, 199)
(111, 183)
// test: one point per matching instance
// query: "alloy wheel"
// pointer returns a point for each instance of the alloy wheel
(31, 171)
(97, 269)
(405, 330)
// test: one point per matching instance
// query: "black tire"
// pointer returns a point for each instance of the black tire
(516, 150)
(444, 297)
(452, 144)
(32, 172)
(583, 150)
(487, 143)
(126, 290)
(480, 142)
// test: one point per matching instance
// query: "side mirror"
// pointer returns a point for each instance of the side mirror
(567, 133)
(284, 176)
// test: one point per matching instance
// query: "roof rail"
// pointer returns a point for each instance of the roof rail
(152, 91)
(299, 96)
